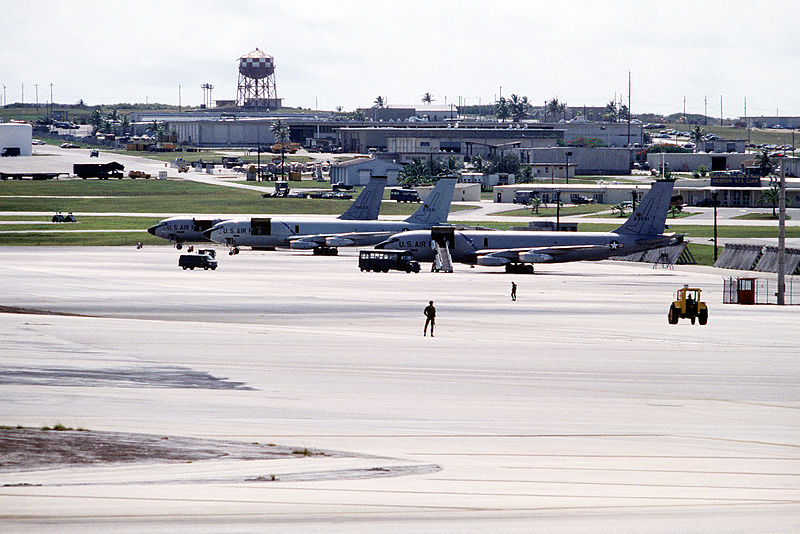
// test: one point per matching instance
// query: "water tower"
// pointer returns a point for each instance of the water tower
(257, 81)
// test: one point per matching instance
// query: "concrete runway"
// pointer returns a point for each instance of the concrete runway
(575, 409)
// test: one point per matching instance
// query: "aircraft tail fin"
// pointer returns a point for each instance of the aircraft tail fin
(436, 207)
(650, 214)
(368, 204)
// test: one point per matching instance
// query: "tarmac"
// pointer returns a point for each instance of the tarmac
(577, 408)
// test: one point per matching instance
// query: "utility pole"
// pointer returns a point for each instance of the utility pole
(684, 108)
(782, 235)
(705, 109)
(180, 108)
(721, 118)
(51, 98)
(36, 87)
(4, 96)
(629, 114)
(746, 125)
(23, 94)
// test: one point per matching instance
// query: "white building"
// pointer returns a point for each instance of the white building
(16, 136)
(359, 171)
(463, 192)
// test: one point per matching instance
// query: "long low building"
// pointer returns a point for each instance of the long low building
(691, 161)
(693, 192)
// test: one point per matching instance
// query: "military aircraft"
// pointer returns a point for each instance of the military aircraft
(518, 250)
(324, 236)
(183, 229)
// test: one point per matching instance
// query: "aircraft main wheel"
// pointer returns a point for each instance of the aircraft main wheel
(702, 318)
(178, 246)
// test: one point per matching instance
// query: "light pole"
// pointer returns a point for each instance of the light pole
(36, 85)
(782, 236)
(567, 154)
(715, 202)
(558, 211)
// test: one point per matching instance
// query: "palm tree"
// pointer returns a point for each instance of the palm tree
(97, 120)
(763, 162)
(427, 98)
(412, 173)
(280, 131)
(379, 102)
(611, 113)
(771, 196)
(158, 129)
(124, 124)
(696, 135)
(562, 108)
(502, 109)
(113, 115)
(552, 108)
(623, 112)
(518, 107)
(535, 202)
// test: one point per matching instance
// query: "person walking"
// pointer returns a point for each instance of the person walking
(430, 318)
(513, 291)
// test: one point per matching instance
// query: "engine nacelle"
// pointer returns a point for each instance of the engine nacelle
(303, 245)
(339, 242)
(535, 257)
(493, 261)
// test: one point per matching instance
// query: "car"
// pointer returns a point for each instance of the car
(37, 142)
(69, 145)
(94, 154)
(706, 203)
(296, 194)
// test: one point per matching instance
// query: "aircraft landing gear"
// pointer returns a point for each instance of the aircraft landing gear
(326, 251)
(178, 246)
(519, 268)
(233, 251)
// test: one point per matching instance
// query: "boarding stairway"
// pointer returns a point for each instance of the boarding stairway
(442, 261)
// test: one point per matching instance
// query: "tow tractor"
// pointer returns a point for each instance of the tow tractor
(688, 305)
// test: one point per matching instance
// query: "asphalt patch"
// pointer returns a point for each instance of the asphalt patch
(133, 377)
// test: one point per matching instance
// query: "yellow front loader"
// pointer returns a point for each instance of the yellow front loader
(688, 305)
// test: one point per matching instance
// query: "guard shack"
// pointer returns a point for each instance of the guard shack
(740, 291)
(746, 290)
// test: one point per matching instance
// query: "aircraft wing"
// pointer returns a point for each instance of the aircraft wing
(349, 239)
(496, 257)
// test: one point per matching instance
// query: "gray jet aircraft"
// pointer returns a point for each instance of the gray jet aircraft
(643, 230)
(183, 229)
(324, 236)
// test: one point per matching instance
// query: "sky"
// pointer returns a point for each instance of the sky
(347, 52)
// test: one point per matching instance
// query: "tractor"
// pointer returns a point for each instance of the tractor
(688, 305)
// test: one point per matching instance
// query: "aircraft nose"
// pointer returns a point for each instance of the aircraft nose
(207, 233)
(152, 229)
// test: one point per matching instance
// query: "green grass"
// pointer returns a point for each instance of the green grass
(758, 136)
(84, 223)
(758, 217)
(670, 216)
(166, 196)
(551, 212)
(100, 239)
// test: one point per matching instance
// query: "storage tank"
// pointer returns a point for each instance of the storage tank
(256, 65)
(13, 135)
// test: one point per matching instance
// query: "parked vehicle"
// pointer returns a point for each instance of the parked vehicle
(190, 261)
(386, 260)
(524, 197)
(404, 195)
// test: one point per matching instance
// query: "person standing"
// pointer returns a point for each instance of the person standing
(513, 291)
(430, 318)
